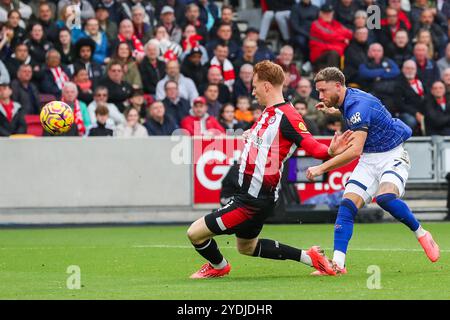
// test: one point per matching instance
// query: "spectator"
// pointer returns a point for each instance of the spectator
(393, 24)
(280, 10)
(54, 75)
(360, 21)
(427, 21)
(355, 55)
(379, 74)
(12, 115)
(4, 74)
(229, 123)
(192, 16)
(243, 84)
(107, 25)
(126, 34)
(100, 127)
(303, 13)
(92, 30)
(149, 10)
(84, 85)
(199, 122)
(288, 92)
(211, 95)
(302, 109)
(333, 124)
(14, 23)
(168, 49)
(80, 111)
(224, 36)
(84, 50)
(158, 122)
(132, 128)
(424, 36)
(45, 18)
(152, 69)
(214, 76)
(444, 62)
(6, 41)
(65, 47)
(209, 13)
(115, 9)
(221, 61)
(303, 93)
(427, 69)
(227, 17)
(8, 5)
(190, 41)
(329, 39)
(85, 8)
(101, 98)
(186, 86)
(437, 111)
(263, 52)
(142, 30)
(400, 50)
(243, 112)
(177, 5)
(249, 48)
(345, 12)
(257, 111)
(286, 60)
(118, 89)
(24, 91)
(193, 68)
(68, 19)
(167, 20)
(19, 57)
(37, 45)
(138, 102)
(175, 106)
(123, 55)
(402, 14)
(410, 95)
(445, 77)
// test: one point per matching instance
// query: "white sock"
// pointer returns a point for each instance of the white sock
(339, 258)
(306, 259)
(221, 265)
(420, 232)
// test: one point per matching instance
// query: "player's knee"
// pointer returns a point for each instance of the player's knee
(384, 199)
(192, 234)
(246, 249)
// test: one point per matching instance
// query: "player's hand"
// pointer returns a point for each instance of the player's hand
(340, 142)
(321, 107)
(313, 172)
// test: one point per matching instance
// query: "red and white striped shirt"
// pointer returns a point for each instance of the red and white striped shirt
(273, 138)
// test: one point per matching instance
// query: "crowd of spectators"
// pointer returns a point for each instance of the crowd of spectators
(139, 68)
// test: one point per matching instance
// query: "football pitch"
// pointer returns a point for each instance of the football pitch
(154, 262)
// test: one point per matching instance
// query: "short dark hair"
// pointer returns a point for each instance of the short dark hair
(101, 110)
(330, 74)
(168, 82)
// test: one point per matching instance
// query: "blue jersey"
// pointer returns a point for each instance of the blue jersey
(363, 111)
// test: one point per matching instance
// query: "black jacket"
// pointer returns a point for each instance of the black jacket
(345, 15)
(117, 93)
(196, 72)
(429, 73)
(95, 70)
(279, 5)
(27, 97)
(437, 121)
(100, 130)
(155, 128)
(399, 55)
(407, 100)
(224, 92)
(48, 84)
(38, 50)
(302, 16)
(177, 111)
(355, 54)
(151, 75)
(17, 124)
(239, 89)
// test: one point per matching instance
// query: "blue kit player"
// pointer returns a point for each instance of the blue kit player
(383, 167)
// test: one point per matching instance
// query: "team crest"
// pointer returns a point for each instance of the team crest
(302, 126)
(272, 120)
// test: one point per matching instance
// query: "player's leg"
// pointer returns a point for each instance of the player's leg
(202, 239)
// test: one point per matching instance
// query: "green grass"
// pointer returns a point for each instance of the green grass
(130, 263)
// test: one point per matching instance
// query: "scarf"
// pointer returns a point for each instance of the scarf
(417, 86)
(78, 117)
(84, 86)
(227, 71)
(8, 110)
(137, 44)
(59, 76)
(442, 102)
(192, 42)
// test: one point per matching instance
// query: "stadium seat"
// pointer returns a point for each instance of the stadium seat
(34, 126)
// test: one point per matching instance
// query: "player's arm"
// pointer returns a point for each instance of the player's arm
(332, 111)
(351, 153)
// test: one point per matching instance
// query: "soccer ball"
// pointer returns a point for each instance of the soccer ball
(56, 117)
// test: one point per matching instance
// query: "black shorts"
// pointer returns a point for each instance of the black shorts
(243, 215)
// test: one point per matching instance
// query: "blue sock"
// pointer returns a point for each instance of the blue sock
(343, 228)
(398, 209)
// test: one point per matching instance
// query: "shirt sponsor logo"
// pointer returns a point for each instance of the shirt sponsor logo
(356, 118)
(302, 127)
(272, 120)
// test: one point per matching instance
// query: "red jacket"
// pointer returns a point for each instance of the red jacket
(326, 37)
(193, 125)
